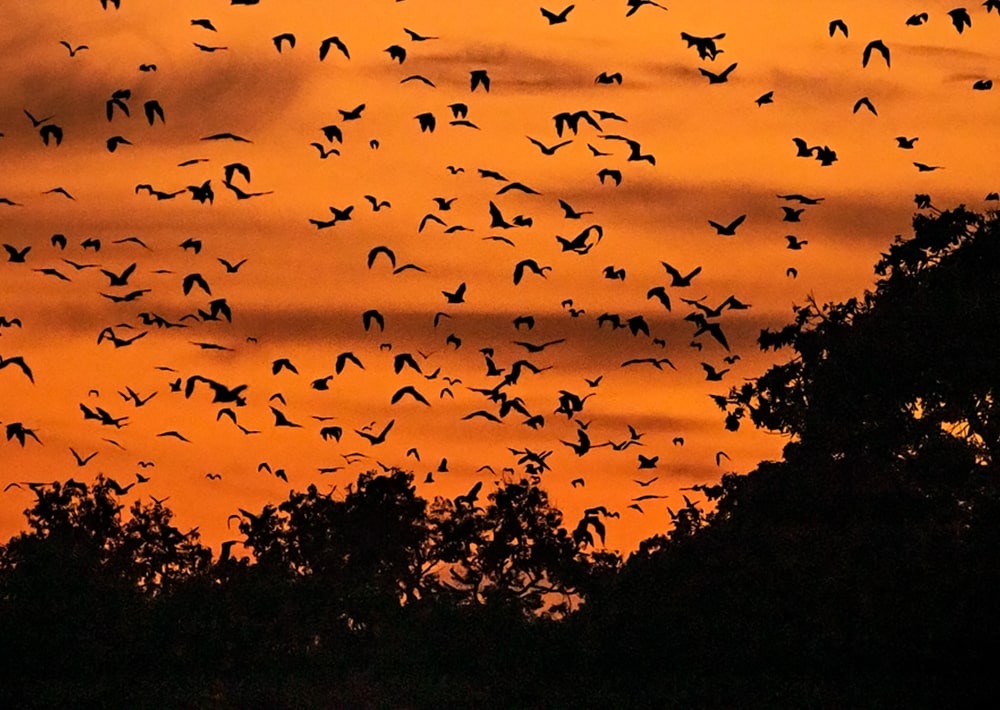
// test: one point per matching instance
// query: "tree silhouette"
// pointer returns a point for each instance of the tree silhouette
(514, 551)
(156, 556)
(865, 559)
(910, 361)
(77, 589)
(900, 386)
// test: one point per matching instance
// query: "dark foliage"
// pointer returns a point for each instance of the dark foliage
(376, 598)
(858, 571)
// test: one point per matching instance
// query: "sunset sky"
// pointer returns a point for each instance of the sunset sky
(302, 291)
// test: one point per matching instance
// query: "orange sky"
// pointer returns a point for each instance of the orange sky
(302, 291)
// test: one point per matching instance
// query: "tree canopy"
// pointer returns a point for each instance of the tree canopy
(858, 568)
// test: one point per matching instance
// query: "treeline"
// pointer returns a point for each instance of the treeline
(859, 571)
(334, 593)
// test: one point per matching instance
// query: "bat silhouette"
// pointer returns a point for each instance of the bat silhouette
(556, 18)
(153, 110)
(71, 49)
(283, 39)
(728, 230)
(375, 439)
(720, 78)
(18, 362)
(408, 390)
(876, 45)
(326, 44)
